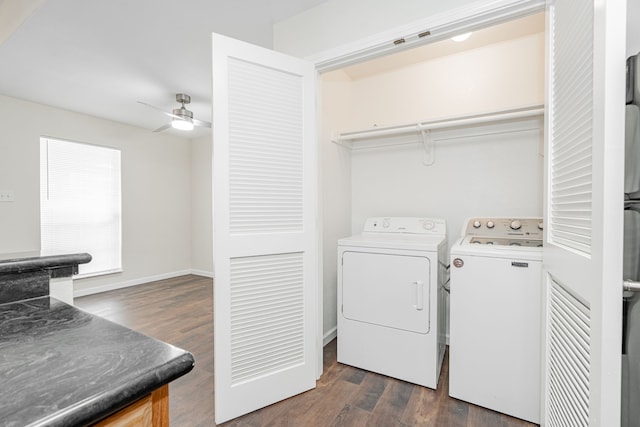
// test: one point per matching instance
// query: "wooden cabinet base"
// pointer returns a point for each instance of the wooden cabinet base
(150, 411)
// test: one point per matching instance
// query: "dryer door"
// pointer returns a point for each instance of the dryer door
(387, 290)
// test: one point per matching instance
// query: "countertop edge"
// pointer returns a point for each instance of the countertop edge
(101, 406)
(20, 265)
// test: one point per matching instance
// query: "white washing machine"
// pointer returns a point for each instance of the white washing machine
(495, 315)
(391, 313)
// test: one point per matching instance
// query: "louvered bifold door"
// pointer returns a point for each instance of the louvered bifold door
(264, 184)
(583, 219)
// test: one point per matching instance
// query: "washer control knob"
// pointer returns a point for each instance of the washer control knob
(491, 224)
(385, 223)
(476, 224)
(428, 225)
(540, 225)
(516, 225)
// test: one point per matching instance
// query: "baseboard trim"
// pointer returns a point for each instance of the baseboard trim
(202, 273)
(330, 336)
(135, 282)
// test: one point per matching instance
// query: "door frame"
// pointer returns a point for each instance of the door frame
(441, 26)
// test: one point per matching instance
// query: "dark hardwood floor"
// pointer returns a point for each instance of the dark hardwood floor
(180, 311)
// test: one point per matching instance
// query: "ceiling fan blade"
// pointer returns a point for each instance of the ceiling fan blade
(195, 122)
(161, 128)
(201, 123)
(161, 110)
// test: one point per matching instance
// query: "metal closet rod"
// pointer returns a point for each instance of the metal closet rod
(458, 121)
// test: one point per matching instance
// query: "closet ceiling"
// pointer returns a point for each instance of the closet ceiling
(99, 57)
(522, 27)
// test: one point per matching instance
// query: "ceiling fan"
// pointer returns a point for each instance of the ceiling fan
(181, 117)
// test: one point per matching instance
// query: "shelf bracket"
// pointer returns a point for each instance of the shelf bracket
(427, 143)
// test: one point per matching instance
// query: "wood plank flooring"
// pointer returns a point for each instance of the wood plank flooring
(180, 311)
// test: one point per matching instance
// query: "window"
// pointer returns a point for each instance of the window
(80, 208)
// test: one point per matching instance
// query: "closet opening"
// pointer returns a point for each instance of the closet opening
(462, 168)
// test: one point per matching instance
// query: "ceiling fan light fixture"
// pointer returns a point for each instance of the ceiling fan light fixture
(181, 118)
(182, 124)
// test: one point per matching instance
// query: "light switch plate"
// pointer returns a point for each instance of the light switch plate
(6, 195)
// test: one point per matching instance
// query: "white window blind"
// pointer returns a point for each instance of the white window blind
(80, 206)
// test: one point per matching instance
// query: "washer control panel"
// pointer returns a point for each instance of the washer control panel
(530, 228)
(410, 225)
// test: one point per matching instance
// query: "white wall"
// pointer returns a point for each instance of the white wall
(494, 77)
(336, 186)
(20, 172)
(201, 206)
(492, 175)
(156, 188)
(498, 175)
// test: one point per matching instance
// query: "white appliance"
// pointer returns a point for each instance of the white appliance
(495, 306)
(391, 312)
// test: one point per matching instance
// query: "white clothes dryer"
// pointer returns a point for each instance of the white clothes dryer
(391, 302)
(495, 315)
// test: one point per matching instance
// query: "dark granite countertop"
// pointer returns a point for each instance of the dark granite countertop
(31, 261)
(61, 366)
(27, 275)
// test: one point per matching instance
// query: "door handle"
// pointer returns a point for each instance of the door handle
(419, 295)
(631, 285)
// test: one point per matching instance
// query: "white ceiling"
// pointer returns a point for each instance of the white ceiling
(99, 57)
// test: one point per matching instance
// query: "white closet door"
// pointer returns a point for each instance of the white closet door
(584, 226)
(265, 198)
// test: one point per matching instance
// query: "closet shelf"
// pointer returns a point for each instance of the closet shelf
(348, 138)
